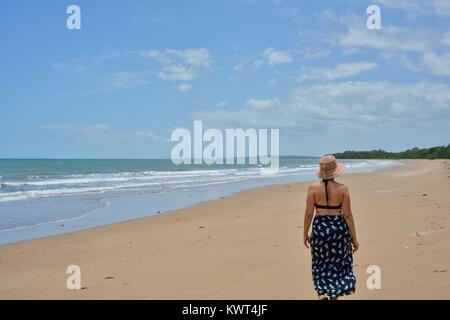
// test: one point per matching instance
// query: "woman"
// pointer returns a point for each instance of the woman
(333, 233)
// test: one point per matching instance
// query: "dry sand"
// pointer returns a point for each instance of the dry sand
(248, 246)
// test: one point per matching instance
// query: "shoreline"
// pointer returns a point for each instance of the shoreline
(248, 246)
(140, 218)
(137, 206)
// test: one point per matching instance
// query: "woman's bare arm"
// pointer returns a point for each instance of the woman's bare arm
(348, 216)
(309, 211)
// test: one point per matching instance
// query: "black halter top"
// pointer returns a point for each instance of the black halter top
(325, 181)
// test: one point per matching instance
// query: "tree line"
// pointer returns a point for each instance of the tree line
(439, 152)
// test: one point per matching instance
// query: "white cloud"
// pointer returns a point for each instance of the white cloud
(136, 135)
(121, 80)
(181, 65)
(275, 57)
(429, 62)
(176, 72)
(99, 130)
(269, 56)
(241, 65)
(87, 62)
(391, 39)
(417, 49)
(418, 7)
(70, 128)
(342, 70)
(442, 7)
(412, 7)
(262, 104)
(184, 87)
(372, 101)
(437, 64)
(371, 106)
(315, 53)
(445, 40)
(194, 57)
(73, 66)
(110, 54)
(258, 63)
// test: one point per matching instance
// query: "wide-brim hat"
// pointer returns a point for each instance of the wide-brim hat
(329, 168)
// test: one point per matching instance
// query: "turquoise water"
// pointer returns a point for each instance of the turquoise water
(45, 197)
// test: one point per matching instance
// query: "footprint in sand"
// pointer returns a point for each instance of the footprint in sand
(386, 190)
(424, 233)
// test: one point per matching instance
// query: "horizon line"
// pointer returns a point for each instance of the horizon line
(93, 158)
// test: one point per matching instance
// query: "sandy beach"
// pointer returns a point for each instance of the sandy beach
(248, 246)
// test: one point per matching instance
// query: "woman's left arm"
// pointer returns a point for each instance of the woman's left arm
(309, 211)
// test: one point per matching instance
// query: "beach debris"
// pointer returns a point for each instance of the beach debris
(84, 288)
(158, 211)
(425, 232)
(109, 277)
(424, 194)
(443, 270)
(201, 227)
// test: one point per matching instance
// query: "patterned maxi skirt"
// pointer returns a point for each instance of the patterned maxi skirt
(332, 258)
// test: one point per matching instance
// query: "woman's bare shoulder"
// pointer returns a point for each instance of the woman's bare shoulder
(315, 184)
(341, 186)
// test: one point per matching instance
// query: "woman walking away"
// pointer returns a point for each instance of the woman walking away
(333, 237)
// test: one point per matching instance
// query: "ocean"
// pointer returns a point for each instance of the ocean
(47, 197)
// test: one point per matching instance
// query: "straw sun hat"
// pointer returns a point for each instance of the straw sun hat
(329, 168)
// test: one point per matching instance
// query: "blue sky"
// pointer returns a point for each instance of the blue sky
(136, 70)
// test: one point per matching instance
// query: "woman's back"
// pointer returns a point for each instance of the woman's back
(329, 195)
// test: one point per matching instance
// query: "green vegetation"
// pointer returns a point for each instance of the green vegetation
(441, 152)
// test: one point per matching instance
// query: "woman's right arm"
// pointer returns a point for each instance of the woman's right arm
(309, 212)
(348, 216)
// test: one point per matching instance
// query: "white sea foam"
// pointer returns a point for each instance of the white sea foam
(152, 181)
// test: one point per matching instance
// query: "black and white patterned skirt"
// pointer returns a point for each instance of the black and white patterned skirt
(332, 259)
